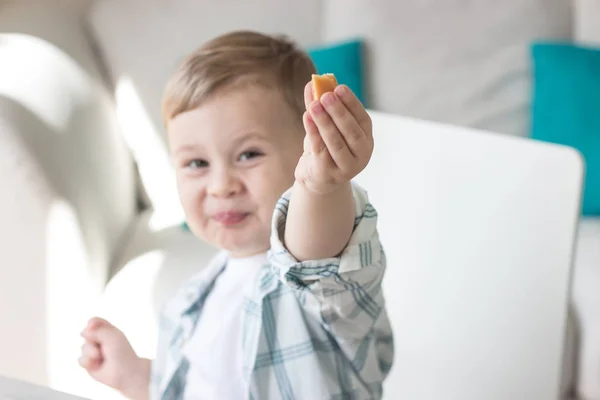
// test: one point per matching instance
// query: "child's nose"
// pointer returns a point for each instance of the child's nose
(224, 183)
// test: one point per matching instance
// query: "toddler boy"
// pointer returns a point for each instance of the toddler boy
(292, 307)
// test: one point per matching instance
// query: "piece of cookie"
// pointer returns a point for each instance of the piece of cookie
(322, 84)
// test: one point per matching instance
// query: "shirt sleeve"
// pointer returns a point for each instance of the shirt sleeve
(347, 289)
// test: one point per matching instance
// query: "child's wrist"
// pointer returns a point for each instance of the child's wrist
(319, 225)
(136, 385)
(322, 190)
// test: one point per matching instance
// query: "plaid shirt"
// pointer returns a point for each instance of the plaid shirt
(311, 330)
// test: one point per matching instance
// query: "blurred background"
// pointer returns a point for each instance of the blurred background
(89, 219)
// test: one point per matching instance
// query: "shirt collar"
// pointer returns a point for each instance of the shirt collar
(194, 293)
(199, 287)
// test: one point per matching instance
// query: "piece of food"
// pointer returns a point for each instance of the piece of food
(322, 84)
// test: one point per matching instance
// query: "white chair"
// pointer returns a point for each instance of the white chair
(479, 232)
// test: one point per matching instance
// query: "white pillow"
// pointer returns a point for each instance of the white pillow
(460, 62)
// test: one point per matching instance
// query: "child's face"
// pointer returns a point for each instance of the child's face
(234, 157)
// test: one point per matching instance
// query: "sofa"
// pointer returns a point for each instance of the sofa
(91, 215)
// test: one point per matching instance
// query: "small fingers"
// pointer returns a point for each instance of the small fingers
(96, 322)
(331, 136)
(355, 107)
(353, 134)
(97, 330)
(91, 355)
(91, 350)
(88, 363)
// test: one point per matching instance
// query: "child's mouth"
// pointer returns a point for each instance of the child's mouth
(229, 218)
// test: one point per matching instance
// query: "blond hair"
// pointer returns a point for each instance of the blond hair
(239, 57)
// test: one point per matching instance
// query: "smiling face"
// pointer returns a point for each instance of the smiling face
(234, 157)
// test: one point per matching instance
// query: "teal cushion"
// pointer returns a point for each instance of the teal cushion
(345, 60)
(566, 107)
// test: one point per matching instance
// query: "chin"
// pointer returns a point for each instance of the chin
(245, 249)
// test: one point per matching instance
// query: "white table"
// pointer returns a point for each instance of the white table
(11, 389)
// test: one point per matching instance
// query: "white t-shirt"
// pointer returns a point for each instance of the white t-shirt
(215, 349)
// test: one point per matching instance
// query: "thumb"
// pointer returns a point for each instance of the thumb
(98, 330)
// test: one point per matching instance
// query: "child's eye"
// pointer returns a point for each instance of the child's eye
(248, 155)
(197, 163)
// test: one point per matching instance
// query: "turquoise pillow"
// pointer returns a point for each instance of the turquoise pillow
(345, 60)
(566, 107)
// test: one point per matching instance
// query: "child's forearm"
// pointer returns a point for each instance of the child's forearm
(319, 226)
(337, 147)
(137, 385)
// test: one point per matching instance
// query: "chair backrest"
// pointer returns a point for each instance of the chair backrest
(479, 231)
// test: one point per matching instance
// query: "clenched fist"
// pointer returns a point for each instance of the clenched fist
(109, 358)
